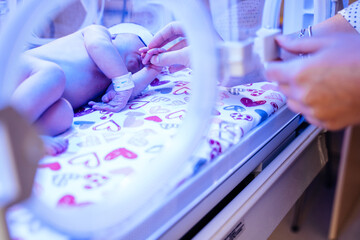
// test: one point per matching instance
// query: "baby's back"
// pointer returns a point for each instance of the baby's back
(84, 81)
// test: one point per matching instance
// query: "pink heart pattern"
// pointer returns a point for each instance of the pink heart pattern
(239, 116)
(70, 201)
(110, 126)
(255, 92)
(177, 114)
(137, 104)
(275, 106)
(181, 83)
(88, 160)
(55, 166)
(120, 152)
(183, 90)
(154, 119)
(215, 148)
(156, 82)
(250, 103)
(95, 180)
(106, 115)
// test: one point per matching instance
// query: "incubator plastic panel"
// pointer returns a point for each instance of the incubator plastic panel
(157, 168)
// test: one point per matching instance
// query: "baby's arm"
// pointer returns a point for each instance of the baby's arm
(144, 77)
(98, 43)
(141, 79)
(100, 48)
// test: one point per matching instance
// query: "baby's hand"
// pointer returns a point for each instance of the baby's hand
(147, 54)
(113, 101)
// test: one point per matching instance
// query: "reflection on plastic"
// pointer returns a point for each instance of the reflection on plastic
(131, 199)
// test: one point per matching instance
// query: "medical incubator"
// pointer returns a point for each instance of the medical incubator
(208, 152)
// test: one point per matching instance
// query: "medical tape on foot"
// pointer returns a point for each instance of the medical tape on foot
(123, 82)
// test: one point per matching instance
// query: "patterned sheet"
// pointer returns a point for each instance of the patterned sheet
(107, 147)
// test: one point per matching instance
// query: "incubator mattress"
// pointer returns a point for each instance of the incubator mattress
(105, 147)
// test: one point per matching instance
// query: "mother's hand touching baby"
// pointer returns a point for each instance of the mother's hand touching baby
(176, 57)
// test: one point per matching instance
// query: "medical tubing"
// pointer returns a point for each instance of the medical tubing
(123, 82)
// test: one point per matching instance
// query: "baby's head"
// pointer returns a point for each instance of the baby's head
(128, 38)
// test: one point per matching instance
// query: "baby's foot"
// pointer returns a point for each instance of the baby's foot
(55, 145)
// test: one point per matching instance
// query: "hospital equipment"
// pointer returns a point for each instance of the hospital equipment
(179, 192)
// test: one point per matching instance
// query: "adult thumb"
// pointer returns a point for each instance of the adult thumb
(301, 45)
(180, 57)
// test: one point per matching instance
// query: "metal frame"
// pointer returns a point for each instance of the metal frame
(260, 207)
(191, 202)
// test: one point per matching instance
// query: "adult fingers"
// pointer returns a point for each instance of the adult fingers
(176, 68)
(143, 49)
(179, 45)
(314, 121)
(297, 92)
(151, 53)
(298, 106)
(170, 32)
(283, 73)
(146, 58)
(171, 58)
(306, 111)
(303, 45)
(155, 51)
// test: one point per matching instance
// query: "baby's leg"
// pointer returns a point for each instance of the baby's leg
(56, 119)
(44, 84)
(38, 99)
(54, 145)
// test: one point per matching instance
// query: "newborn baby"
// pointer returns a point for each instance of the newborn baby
(70, 71)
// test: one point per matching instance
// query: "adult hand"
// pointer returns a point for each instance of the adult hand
(325, 86)
(112, 101)
(178, 54)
